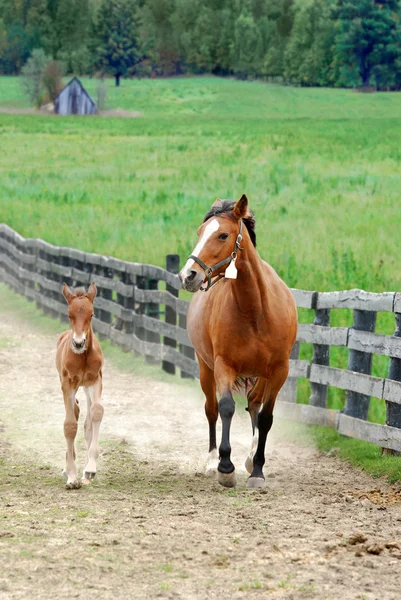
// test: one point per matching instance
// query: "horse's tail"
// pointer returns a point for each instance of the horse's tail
(243, 385)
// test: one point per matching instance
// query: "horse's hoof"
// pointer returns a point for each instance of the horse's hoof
(64, 475)
(249, 464)
(90, 476)
(227, 479)
(255, 482)
(73, 485)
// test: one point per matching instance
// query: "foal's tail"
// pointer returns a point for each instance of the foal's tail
(243, 385)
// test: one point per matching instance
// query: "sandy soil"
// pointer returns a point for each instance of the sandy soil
(152, 525)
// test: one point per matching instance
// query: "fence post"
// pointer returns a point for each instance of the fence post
(173, 266)
(356, 404)
(321, 356)
(393, 410)
(152, 310)
(140, 309)
(185, 350)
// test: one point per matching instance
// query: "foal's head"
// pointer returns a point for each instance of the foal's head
(217, 240)
(80, 313)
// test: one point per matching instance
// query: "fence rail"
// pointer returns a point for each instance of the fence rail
(134, 313)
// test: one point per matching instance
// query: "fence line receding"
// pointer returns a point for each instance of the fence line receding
(135, 314)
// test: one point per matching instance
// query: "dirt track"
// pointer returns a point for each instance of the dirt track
(152, 525)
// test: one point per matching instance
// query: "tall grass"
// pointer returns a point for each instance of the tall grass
(321, 169)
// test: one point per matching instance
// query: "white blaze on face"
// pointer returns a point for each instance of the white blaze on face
(207, 232)
(78, 338)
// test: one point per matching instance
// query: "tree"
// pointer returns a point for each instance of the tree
(308, 55)
(247, 46)
(118, 40)
(368, 41)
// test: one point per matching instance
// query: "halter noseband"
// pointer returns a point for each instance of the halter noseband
(229, 259)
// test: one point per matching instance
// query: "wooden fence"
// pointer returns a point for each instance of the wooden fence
(138, 307)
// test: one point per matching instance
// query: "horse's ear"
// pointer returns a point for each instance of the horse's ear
(241, 207)
(92, 291)
(67, 293)
(217, 203)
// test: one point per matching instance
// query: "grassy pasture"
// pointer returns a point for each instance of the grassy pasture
(321, 169)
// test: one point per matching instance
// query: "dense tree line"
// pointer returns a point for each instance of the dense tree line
(304, 42)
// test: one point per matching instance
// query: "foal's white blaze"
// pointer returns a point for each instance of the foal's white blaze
(207, 233)
(78, 338)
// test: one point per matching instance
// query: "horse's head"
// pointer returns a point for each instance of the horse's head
(220, 237)
(80, 313)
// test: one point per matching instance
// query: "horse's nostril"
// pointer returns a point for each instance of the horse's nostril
(191, 276)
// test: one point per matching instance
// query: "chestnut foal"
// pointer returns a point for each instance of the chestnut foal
(79, 361)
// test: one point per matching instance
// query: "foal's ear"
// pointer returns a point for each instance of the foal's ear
(92, 291)
(241, 207)
(67, 293)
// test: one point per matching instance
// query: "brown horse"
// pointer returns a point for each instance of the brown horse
(242, 329)
(79, 361)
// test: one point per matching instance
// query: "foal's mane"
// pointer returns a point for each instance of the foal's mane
(227, 206)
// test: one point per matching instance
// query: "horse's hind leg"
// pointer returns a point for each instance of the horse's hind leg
(225, 377)
(70, 432)
(94, 418)
(208, 385)
(255, 399)
(264, 423)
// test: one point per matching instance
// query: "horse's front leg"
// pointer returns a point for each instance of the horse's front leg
(70, 432)
(208, 385)
(225, 377)
(93, 420)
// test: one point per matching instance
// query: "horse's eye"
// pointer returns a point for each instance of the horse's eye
(223, 236)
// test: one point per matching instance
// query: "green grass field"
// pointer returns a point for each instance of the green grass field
(321, 168)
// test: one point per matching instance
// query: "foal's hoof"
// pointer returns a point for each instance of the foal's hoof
(227, 479)
(73, 485)
(88, 478)
(255, 482)
(249, 464)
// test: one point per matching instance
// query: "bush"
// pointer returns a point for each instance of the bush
(32, 73)
(52, 78)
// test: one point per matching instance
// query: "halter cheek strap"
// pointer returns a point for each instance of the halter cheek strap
(209, 270)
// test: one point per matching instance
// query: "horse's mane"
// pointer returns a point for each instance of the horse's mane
(227, 206)
(79, 292)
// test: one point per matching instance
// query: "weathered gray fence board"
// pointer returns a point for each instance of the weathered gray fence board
(312, 415)
(28, 259)
(299, 368)
(316, 334)
(374, 343)
(347, 380)
(356, 299)
(303, 298)
(392, 391)
(382, 435)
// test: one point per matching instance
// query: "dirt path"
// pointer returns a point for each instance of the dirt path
(153, 525)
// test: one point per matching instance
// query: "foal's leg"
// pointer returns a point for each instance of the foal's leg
(208, 385)
(264, 423)
(92, 426)
(225, 377)
(70, 432)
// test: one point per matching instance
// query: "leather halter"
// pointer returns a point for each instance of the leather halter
(229, 259)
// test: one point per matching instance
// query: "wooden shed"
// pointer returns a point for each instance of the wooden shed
(74, 100)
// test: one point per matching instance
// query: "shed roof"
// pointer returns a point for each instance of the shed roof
(80, 85)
